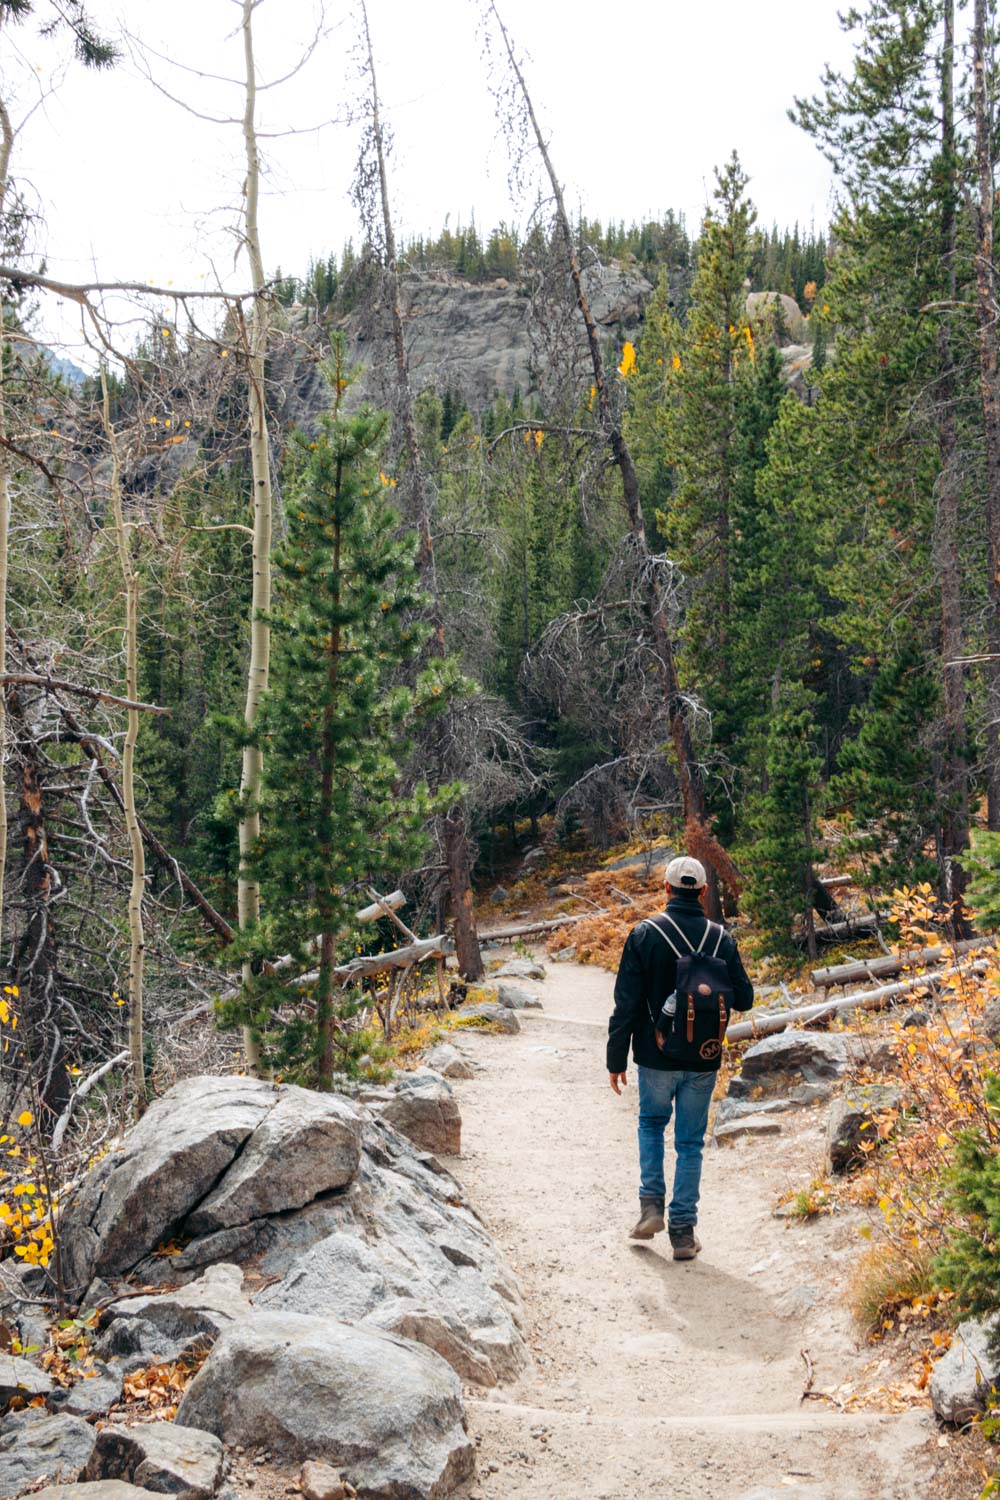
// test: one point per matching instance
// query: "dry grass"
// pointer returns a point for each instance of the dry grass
(884, 1281)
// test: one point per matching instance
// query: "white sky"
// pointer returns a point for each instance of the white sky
(641, 102)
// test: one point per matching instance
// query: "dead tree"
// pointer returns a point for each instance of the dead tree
(689, 772)
(987, 312)
(455, 823)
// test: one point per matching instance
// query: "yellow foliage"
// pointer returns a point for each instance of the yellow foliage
(628, 363)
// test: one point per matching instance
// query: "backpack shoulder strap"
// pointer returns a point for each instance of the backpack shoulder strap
(682, 934)
(718, 941)
(654, 924)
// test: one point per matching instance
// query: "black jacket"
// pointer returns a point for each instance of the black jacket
(646, 977)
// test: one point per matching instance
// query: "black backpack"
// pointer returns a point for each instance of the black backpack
(694, 1035)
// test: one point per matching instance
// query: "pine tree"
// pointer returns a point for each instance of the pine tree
(333, 725)
(886, 775)
(970, 1264)
(781, 843)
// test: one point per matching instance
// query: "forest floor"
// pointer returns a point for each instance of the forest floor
(651, 1376)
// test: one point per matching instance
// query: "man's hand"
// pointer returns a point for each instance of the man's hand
(618, 1081)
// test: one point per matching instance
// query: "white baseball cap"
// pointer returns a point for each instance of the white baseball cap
(685, 872)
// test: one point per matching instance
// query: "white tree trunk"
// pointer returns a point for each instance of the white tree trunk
(6, 146)
(248, 892)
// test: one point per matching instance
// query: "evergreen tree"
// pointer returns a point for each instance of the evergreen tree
(886, 775)
(781, 842)
(332, 723)
(970, 1264)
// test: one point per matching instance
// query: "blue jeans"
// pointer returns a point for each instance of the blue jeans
(660, 1093)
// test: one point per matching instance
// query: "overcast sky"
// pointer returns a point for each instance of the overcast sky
(640, 102)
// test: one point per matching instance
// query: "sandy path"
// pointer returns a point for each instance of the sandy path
(653, 1377)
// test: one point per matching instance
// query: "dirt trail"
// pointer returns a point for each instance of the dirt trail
(653, 1377)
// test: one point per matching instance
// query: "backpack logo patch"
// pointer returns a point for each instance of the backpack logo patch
(710, 1050)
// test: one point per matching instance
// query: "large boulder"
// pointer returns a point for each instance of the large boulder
(409, 1286)
(160, 1327)
(35, 1446)
(384, 1411)
(778, 306)
(425, 1110)
(799, 1065)
(438, 1273)
(172, 1159)
(190, 1166)
(277, 1171)
(173, 1460)
(964, 1376)
(850, 1123)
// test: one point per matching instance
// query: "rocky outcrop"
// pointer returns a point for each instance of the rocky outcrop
(395, 1248)
(781, 311)
(963, 1377)
(801, 1066)
(384, 1411)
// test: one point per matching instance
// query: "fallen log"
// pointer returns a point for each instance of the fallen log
(852, 927)
(879, 968)
(502, 934)
(395, 900)
(439, 946)
(836, 882)
(771, 1022)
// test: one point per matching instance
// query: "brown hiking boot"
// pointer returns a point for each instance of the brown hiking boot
(684, 1241)
(650, 1219)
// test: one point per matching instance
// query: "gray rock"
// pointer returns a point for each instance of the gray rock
(385, 1411)
(170, 1161)
(426, 1112)
(849, 1123)
(449, 1062)
(436, 1295)
(306, 1145)
(35, 1445)
(761, 304)
(498, 1016)
(91, 1396)
(161, 1456)
(752, 1125)
(564, 956)
(19, 1377)
(728, 1109)
(963, 1377)
(516, 997)
(156, 1328)
(521, 968)
(319, 1482)
(500, 894)
(104, 1489)
(920, 1017)
(797, 1065)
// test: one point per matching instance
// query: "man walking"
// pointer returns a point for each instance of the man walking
(676, 1042)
